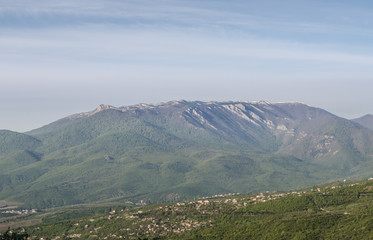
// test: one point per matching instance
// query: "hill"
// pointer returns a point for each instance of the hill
(180, 150)
(336, 211)
(366, 121)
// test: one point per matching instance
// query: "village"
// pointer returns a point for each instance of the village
(169, 220)
(177, 218)
(19, 212)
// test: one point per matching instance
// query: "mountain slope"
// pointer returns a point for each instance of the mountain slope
(180, 150)
(13, 141)
(336, 211)
(366, 121)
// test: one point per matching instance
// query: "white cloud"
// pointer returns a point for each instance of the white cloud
(159, 47)
(205, 15)
(120, 52)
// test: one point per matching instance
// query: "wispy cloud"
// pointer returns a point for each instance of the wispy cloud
(227, 16)
(163, 49)
(150, 46)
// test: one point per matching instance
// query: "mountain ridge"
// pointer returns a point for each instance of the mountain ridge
(103, 107)
(182, 149)
(366, 121)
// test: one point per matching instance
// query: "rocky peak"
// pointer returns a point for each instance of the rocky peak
(102, 107)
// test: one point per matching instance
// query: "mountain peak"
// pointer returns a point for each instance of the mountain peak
(102, 107)
(214, 141)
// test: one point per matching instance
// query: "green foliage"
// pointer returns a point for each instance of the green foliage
(11, 235)
(333, 212)
(168, 153)
(13, 141)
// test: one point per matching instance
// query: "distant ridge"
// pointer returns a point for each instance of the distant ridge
(180, 150)
(366, 121)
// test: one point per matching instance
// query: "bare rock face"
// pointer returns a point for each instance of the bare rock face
(100, 108)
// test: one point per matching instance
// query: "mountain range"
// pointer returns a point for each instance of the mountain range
(180, 150)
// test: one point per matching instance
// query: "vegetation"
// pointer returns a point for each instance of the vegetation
(179, 151)
(11, 235)
(337, 211)
(15, 217)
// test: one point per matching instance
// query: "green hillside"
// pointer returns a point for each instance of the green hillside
(180, 150)
(13, 141)
(335, 211)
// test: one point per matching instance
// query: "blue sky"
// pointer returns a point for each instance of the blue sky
(63, 57)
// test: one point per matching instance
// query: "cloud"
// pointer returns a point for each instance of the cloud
(159, 47)
(286, 17)
(118, 52)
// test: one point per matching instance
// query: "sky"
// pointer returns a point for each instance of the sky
(58, 57)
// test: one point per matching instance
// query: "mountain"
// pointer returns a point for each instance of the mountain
(180, 150)
(366, 121)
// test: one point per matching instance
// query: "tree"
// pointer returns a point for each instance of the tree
(11, 235)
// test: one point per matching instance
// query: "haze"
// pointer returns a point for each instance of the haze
(62, 57)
